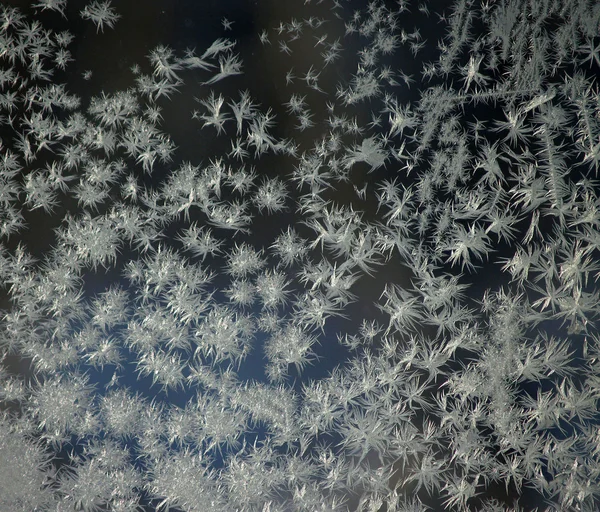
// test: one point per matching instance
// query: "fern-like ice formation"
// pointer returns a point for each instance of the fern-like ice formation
(343, 256)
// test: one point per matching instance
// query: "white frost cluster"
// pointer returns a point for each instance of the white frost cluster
(374, 289)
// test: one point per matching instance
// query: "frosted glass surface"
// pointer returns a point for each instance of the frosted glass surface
(321, 255)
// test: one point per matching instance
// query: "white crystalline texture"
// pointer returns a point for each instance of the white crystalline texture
(346, 263)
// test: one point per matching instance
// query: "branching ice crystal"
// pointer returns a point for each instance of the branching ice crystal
(331, 256)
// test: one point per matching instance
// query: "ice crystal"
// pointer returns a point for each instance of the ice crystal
(333, 256)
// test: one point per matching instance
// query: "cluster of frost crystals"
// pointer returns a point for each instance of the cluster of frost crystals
(370, 285)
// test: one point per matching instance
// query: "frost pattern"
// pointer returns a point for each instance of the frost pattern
(370, 285)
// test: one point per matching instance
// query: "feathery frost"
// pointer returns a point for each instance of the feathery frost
(345, 260)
